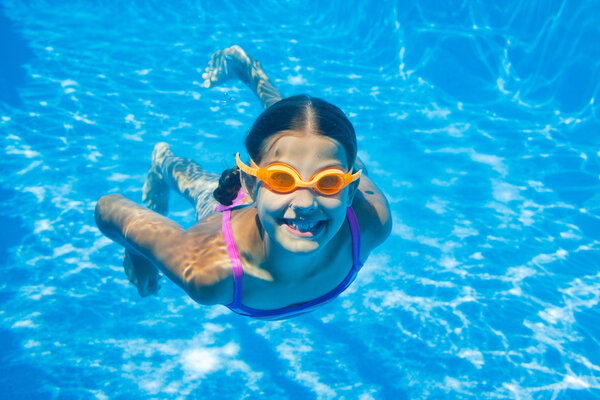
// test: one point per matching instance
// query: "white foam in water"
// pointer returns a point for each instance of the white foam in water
(505, 192)
(464, 231)
(198, 362)
(118, 177)
(83, 118)
(292, 353)
(25, 324)
(437, 205)
(233, 123)
(130, 118)
(435, 112)
(548, 258)
(37, 292)
(473, 355)
(296, 80)
(42, 225)
(62, 250)
(197, 358)
(38, 191)
(68, 82)
(23, 151)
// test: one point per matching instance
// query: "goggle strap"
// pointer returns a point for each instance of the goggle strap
(244, 167)
(349, 178)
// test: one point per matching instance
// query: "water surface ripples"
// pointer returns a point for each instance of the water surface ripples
(479, 121)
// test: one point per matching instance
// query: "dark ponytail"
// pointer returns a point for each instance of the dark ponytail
(229, 186)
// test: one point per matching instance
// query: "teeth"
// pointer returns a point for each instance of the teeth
(302, 225)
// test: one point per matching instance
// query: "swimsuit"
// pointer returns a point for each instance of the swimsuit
(295, 309)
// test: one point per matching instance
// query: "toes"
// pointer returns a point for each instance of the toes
(129, 269)
(215, 58)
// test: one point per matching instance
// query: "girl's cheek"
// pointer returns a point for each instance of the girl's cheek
(268, 200)
(332, 201)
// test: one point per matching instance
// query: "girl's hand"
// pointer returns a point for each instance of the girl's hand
(142, 273)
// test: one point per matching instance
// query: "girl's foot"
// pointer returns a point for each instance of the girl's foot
(226, 64)
(155, 192)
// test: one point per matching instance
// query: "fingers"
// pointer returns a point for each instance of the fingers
(148, 285)
(129, 269)
(142, 274)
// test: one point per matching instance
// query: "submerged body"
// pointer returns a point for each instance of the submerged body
(294, 248)
(296, 309)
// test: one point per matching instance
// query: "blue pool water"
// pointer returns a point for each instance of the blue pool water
(479, 121)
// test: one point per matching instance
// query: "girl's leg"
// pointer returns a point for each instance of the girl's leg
(188, 179)
(234, 63)
(184, 176)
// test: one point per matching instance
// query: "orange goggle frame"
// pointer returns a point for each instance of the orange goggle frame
(283, 178)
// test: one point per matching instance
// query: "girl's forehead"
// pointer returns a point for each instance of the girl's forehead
(299, 148)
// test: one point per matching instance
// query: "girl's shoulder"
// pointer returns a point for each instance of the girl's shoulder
(209, 273)
(209, 257)
(373, 214)
(208, 232)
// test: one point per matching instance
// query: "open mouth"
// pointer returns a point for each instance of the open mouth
(303, 228)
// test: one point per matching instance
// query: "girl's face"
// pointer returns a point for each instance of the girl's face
(302, 221)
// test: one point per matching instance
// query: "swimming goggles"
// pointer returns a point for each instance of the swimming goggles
(283, 178)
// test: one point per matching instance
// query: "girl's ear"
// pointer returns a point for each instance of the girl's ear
(248, 184)
(352, 189)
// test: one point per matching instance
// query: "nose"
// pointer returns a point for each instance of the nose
(304, 201)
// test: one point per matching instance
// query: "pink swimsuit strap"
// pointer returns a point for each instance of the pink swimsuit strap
(234, 256)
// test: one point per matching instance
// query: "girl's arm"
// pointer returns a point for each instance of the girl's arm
(372, 210)
(160, 241)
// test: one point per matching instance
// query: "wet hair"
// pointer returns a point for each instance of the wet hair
(300, 113)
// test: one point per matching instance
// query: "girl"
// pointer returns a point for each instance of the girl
(294, 224)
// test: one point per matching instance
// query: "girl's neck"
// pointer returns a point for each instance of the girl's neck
(286, 267)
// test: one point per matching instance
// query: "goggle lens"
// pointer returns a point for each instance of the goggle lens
(286, 182)
(330, 184)
(282, 181)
